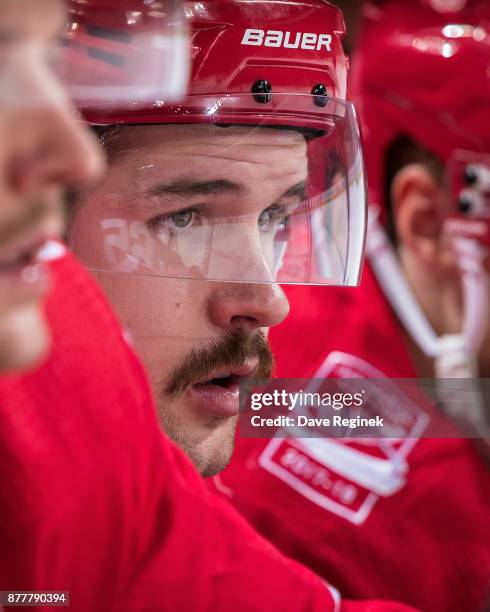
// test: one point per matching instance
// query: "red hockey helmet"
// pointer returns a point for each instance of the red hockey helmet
(423, 71)
(257, 65)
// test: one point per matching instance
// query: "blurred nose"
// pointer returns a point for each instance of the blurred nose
(50, 146)
(58, 151)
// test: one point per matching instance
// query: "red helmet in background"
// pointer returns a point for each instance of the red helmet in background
(422, 71)
(456, 11)
(262, 65)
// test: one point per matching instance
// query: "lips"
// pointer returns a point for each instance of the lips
(218, 393)
(22, 276)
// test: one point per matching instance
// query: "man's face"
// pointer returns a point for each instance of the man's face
(198, 338)
(42, 149)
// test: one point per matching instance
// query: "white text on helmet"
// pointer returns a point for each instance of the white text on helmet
(276, 38)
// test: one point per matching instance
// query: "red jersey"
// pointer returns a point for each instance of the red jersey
(415, 526)
(95, 501)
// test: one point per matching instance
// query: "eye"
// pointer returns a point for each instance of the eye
(273, 218)
(173, 222)
(182, 219)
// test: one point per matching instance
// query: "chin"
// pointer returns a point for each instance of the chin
(25, 339)
(213, 453)
(209, 447)
(210, 466)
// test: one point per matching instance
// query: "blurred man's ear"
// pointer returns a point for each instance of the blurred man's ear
(416, 200)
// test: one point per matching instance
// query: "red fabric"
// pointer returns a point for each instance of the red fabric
(95, 501)
(426, 544)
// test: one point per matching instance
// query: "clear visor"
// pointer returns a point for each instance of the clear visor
(120, 55)
(237, 196)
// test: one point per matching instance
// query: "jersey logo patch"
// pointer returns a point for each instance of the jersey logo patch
(345, 477)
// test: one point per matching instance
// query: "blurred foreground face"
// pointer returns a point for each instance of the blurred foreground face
(42, 150)
(198, 338)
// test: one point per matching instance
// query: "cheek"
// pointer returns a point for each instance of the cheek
(165, 317)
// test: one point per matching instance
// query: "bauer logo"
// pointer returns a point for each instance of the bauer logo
(287, 40)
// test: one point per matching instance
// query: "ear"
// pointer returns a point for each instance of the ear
(415, 197)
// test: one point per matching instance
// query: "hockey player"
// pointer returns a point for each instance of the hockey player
(255, 177)
(95, 502)
(409, 516)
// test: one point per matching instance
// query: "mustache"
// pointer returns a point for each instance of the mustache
(231, 351)
(33, 212)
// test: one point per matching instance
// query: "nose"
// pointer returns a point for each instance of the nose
(50, 145)
(248, 306)
(59, 151)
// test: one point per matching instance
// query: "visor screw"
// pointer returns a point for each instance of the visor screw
(262, 91)
(465, 204)
(319, 93)
(471, 175)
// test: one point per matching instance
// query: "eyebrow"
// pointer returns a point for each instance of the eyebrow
(188, 188)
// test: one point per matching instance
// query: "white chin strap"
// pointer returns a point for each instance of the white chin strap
(455, 355)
